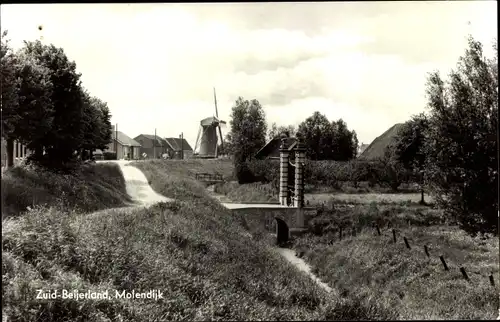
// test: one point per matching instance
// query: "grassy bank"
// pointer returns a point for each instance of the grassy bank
(195, 251)
(367, 198)
(174, 179)
(249, 193)
(88, 188)
(414, 285)
(189, 168)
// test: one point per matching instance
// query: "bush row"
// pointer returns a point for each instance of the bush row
(331, 173)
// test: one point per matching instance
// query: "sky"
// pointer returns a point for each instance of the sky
(156, 64)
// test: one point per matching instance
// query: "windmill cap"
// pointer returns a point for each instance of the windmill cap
(211, 120)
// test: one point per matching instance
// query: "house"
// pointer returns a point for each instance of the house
(153, 145)
(272, 148)
(176, 145)
(19, 153)
(124, 146)
(376, 149)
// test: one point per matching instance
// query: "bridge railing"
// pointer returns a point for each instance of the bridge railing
(208, 177)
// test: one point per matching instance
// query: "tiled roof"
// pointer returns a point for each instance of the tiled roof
(124, 139)
(271, 149)
(175, 144)
(159, 141)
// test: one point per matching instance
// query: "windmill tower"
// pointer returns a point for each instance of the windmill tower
(207, 140)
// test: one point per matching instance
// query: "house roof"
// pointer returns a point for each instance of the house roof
(376, 149)
(177, 143)
(271, 148)
(124, 139)
(159, 141)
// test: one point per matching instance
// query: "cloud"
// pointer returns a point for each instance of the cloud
(156, 64)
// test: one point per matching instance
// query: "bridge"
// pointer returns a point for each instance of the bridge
(289, 216)
(285, 221)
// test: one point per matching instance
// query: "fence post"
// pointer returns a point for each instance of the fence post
(394, 235)
(378, 229)
(444, 263)
(492, 281)
(426, 251)
(340, 232)
(406, 242)
(353, 230)
(464, 273)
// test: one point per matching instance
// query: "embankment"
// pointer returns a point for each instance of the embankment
(88, 188)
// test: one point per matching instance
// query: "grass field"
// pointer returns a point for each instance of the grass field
(89, 188)
(367, 198)
(209, 266)
(415, 286)
(367, 266)
(194, 250)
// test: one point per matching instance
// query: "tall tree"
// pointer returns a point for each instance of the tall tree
(345, 142)
(26, 106)
(248, 129)
(67, 130)
(462, 146)
(97, 125)
(278, 131)
(409, 148)
(317, 133)
(10, 97)
(409, 144)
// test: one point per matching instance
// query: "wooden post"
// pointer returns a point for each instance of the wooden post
(492, 281)
(406, 243)
(464, 273)
(340, 232)
(426, 251)
(378, 230)
(394, 235)
(353, 230)
(444, 263)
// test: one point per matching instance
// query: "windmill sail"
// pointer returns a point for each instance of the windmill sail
(220, 131)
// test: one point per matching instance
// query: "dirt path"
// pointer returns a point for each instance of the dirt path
(301, 265)
(137, 185)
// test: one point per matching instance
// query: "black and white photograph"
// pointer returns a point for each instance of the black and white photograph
(250, 161)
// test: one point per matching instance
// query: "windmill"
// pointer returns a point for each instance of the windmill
(207, 141)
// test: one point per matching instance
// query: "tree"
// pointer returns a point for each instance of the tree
(10, 97)
(67, 130)
(317, 133)
(248, 129)
(278, 131)
(461, 143)
(410, 148)
(26, 100)
(345, 142)
(97, 124)
(328, 141)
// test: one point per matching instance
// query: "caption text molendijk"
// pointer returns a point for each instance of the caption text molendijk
(79, 295)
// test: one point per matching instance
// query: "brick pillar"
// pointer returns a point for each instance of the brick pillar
(284, 154)
(299, 174)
